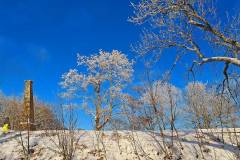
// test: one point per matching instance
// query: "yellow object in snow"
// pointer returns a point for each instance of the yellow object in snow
(5, 128)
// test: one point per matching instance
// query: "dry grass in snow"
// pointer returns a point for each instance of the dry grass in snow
(126, 145)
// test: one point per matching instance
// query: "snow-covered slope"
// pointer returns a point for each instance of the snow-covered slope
(125, 145)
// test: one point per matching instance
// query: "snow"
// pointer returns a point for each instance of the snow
(124, 145)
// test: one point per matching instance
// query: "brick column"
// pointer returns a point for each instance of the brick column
(28, 104)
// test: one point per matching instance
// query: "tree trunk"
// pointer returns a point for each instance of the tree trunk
(98, 107)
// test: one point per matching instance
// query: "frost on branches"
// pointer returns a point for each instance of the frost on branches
(159, 93)
(161, 100)
(106, 75)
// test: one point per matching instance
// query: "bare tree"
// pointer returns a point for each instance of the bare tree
(208, 108)
(107, 73)
(188, 26)
(155, 112)
(165, 99)
(198, 105)
(65, 136)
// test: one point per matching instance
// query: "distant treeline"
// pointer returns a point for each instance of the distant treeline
(12, 107)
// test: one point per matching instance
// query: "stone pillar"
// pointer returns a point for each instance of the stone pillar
(28, 105)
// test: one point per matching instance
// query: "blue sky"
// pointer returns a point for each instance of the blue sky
(39, 39)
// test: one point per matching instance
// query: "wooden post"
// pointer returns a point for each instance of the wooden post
(29, 105)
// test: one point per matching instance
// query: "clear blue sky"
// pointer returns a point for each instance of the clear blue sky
(39, 39)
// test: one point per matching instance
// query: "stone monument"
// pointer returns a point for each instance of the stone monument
(28, 106)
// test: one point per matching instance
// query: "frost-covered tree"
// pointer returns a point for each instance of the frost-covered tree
(207, 108)
(193, 28)
(162, 100)
(154, 106)
(198, 105)
(102, 82)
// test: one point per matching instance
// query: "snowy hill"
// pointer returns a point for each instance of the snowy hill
(124, 145)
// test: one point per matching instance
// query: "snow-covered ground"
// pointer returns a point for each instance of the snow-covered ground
(126, 145)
